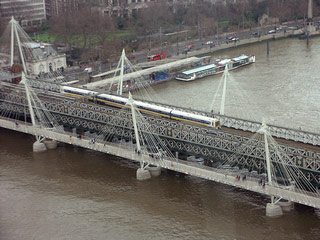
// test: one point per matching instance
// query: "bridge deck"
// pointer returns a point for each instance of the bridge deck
(279, 132)
(217, 175)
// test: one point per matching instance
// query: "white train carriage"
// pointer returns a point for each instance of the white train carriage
(144, 107)
(77, 92)
(194, 118)
(153, 109)
(112, 100)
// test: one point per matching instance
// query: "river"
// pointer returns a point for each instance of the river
(283, 88)
(73, 193)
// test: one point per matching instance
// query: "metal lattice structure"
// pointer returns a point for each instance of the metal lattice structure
(178, 136)
(226, 121)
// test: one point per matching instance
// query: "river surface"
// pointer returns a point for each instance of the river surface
(283, 87)
(73, 193)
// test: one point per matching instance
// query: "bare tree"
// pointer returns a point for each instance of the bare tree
(156, 15)
(3, 23)
(84, 29)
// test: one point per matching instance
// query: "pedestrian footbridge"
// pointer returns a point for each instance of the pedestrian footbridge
(213, 174)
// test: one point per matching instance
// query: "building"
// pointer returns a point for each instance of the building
(128, 7)
(43, 59)
(106, 7)
(27, 12)
(57, 7)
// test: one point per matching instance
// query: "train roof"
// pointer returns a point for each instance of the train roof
(80, 90)
(155, 107)
(192, 115)
(113, 97)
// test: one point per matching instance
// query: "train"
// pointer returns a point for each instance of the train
(118, 101)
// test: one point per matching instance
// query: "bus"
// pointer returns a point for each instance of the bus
(157, 56)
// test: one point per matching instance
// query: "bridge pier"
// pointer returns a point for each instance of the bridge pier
(39, 146)
(317, 212)
(155, 171)
(273, 210)
(50, 144)
(143, 174)
(285, 205)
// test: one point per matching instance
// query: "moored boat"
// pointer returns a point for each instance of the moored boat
(215, 68)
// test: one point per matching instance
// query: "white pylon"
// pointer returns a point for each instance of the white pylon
(133, 113)
(14, 31)
(136, 133)
(24, 81)
(122, 59)
(33, 120)
(223, 98)
(264, 130)
(12, 41)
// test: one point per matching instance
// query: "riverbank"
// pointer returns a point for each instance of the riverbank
(207, 50)
(243, 42)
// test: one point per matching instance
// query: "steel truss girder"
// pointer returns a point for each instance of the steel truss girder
(74, 114)
(275, 131)
(236, 123)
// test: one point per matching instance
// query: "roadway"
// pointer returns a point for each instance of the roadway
(177, 50)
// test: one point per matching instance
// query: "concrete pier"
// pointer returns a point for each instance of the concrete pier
(154, 171)
(39, 147)
(285, 205)
(143, 174)
(273, 210)
(50, 144)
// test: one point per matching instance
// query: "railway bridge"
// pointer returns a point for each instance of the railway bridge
(281, 195)
(81, 115)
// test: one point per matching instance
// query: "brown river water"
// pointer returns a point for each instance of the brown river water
(74, 193)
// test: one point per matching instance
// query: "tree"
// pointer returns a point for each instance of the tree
(82, 32)
(156, 15)
(3, 23)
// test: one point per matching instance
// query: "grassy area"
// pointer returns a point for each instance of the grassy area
(124, 33)
(43, 37)
(47, 36)
(120, 34)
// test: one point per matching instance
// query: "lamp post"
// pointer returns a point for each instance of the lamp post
(149, 41)
(217, 38)
(160, 33)
(177, 34)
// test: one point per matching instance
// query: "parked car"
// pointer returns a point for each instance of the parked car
(210, 43)
(293, 28)
(185, 51)
(88, 70)
(190, 47)
(272, 31)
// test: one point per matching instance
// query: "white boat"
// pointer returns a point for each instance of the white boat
(215, 68)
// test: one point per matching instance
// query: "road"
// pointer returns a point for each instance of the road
(179, 48)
